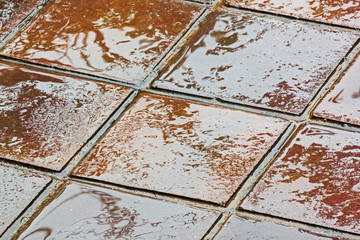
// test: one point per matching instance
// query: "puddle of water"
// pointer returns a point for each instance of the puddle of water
(316, 175)
(46, 118)
(183, 148)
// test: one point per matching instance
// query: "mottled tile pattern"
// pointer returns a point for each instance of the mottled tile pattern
(17, 189)
(122, 39)
(183, 148)
(341, 12)
(315, 180)
(343, 101)
(12, 12)
(243, 228)
(257, 60)
(46, 118)
(89, 212)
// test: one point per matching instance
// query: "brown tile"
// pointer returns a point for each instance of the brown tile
(87, 212)
(183, 148)
(315, 180)
(341, 12)
(46, 118)
(343, 102)
(244, 228)
(120, 39)
(12, 12)
(17, 190)
(255, 60)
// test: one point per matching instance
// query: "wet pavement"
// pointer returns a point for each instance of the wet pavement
(174, 119)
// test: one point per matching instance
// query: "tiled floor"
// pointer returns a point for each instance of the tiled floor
(174, 119)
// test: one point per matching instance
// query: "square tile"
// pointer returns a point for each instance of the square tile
(183, 148)
(245, 228)
(315, 180)
(12, 12)
(343, 12)
(257, 60)
(122, 39)
(342, 103)
(46, 118)
(87, 212)
(17, 190)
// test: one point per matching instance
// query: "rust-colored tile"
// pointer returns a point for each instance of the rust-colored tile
(119, 39)
(244, 228)
(17, 190)
(315, 180)
(87, 212)
(46, 118)
(341, 12)
(261, 61)
(183, 148)
(12, 12)
(343, 102)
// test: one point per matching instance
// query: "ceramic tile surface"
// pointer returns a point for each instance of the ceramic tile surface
(243, 228)
(315, 180)
(180, 147)
(341, 12)
(89, 212)
(257, 60)
(343, 102)
(46, 118)
(17, 190)
(122, 40)
(12, 12)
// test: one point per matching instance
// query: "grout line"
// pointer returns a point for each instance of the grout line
(71, 165)
(258, 171)
(23, 23)
(246, 187)
(32, 208)
(217, 227)
(289, 17)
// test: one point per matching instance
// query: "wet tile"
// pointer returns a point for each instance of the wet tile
(46, 118)
(12, 12)
(260, 61)
(343, 102)
(343, 12)
(89, 212)
(244, 228)
(318, 175)
(121, 39)
(17, 190)
(182, 148)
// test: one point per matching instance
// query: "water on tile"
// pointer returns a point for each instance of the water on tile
(255, 60)
(341, 12)
(12, 12)
(315, 180)
(343, 102)
(120, 39)
(245, 228)
(88, 212)
(183, 148)
(17, 190)
(46, 118)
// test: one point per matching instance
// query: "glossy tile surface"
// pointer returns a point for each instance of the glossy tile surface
(89, 212)
(17, 190)
(46, 118)
(315, 180)
(122, 39)
(341, 12)
(343, 102)
(260, 61)
(243, 228)
(183, 148)
(12, 12)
